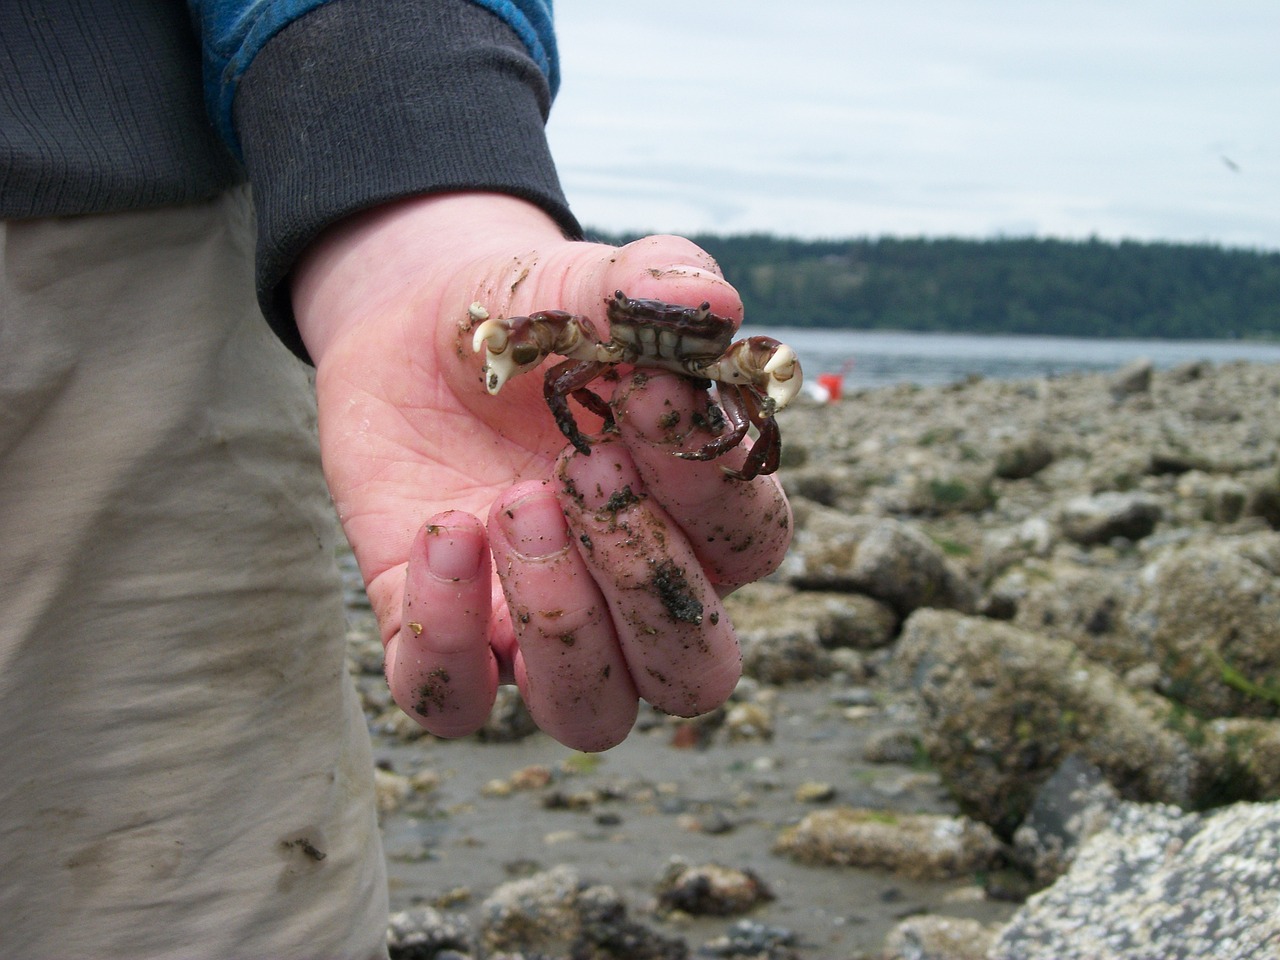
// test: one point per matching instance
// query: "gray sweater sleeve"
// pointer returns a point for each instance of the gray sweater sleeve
(361, 103)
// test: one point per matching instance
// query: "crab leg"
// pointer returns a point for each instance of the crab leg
(736, 413)
(743, 407)
(766, 454)
(571, 377)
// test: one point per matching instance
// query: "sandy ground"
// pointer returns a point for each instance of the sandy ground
(620, 817)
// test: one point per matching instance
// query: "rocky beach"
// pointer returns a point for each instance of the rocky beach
(1014, 693)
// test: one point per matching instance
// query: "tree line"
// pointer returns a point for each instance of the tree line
(1087, 288)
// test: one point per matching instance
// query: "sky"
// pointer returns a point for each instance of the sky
(1120, 119)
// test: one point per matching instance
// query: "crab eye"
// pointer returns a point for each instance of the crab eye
(525, 353)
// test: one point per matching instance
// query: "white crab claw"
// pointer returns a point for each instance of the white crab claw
(493, 334)
(492, 337)
(784, 377)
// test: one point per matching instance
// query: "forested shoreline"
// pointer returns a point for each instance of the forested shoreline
(1089, 288)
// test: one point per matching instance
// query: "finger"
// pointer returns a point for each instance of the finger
(739, 529)
(674, 270)
(571, 671)
(439, 666)
(679, 645)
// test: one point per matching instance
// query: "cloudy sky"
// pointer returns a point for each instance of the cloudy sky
(1141, 119)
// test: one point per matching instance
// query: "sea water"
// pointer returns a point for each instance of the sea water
(876, 358)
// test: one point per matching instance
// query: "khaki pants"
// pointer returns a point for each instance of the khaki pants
(184, 768)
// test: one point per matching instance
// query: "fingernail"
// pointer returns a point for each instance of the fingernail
(453, 554)
(535, 526)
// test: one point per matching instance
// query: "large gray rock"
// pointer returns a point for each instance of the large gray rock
(885, 559)
(1002, 708)
(1072, 805)
(1085, 605)
(1210, 613)
(1160, 883)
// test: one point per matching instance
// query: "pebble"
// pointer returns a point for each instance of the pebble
(813, 791)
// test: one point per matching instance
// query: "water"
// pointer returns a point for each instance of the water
(880, 358)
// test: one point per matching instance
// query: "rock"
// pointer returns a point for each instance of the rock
(537, 913)
(855, 621)
(788, 636)
(1175, 460)
(814, 791)
(391, 790)
(1225, 500)
(509, 720)
(885, 559)
(554, 913)
(839, 619)
(1244, 755)
(832, 485)
(750, 940)
(917, 846)
(1107, 516)
(1024, 457)
(931, 937)
(1161, 883)
(785, 654)
(425, 933)
(1082, 604)
(1002, 548)
(892, 746)
(1210, 612)
(1133, 378)
(1072, 805)
(933, 487)
(608, 933)
(752, 721)
(1002, 708)
(711, 890)
(1188, 372)
(1263, 500)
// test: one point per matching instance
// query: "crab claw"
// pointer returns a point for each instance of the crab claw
(516, 345)
(768, 367)
(782, 376)
(504, 356)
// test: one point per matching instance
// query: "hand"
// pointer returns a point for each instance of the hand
(461, 506)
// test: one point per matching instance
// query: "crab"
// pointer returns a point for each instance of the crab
(755, 377)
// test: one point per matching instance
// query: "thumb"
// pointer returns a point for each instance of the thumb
(580, 277)
(671, 269)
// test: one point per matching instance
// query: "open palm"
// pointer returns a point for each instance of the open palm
(489, 549)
